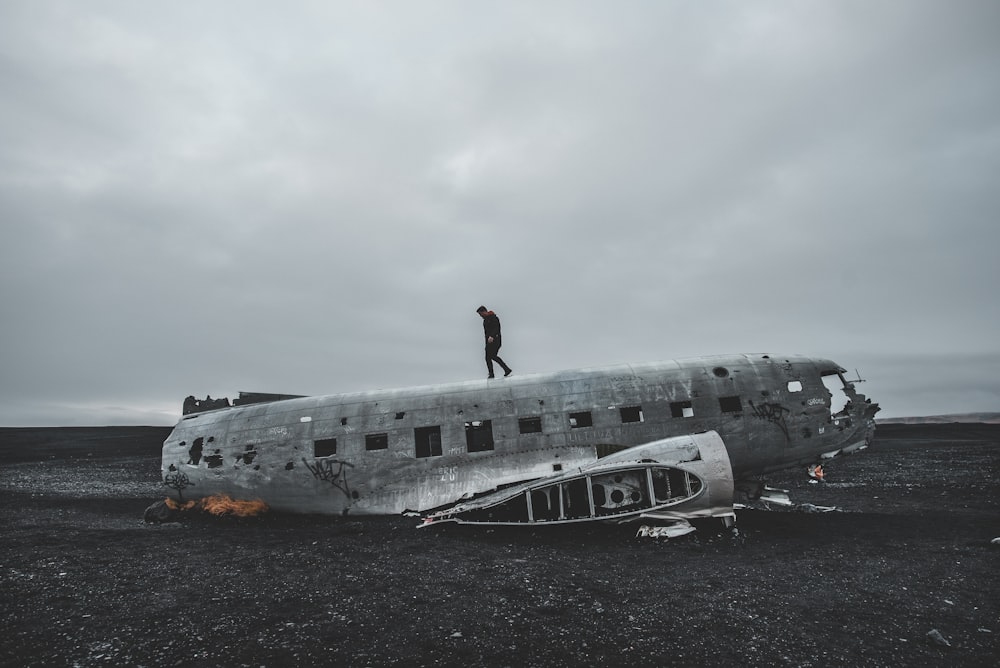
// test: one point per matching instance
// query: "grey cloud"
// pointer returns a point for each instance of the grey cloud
(206, 199)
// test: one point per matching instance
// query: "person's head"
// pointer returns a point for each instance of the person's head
(482, 311)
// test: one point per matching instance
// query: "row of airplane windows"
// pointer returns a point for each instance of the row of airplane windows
(479, 434)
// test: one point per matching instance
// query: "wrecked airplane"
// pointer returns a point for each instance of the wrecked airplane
(665, 441)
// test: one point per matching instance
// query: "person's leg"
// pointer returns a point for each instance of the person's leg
(506, 369)
(493, 355)
(489, 360)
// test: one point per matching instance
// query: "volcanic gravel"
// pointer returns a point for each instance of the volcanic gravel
(901, 573)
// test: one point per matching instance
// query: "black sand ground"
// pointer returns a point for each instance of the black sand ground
(85, 582)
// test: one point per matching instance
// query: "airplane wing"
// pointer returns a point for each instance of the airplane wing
(670, 479)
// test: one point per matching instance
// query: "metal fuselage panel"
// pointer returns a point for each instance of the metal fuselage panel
(369, 453)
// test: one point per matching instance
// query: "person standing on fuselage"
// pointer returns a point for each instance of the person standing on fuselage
(491, 330)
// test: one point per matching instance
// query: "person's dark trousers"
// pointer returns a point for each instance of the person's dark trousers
(491, 355)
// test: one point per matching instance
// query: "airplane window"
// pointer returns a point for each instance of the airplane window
(324, 447)
(681, 409)
(428, 441)
(530, 425)
(632, 414)
(584, 419)
(479, 435)
(794, 386)
(376, 441)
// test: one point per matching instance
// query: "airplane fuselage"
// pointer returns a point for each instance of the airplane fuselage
(387, 451)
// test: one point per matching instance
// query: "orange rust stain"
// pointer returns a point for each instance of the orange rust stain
(177, 505)
(220, 504)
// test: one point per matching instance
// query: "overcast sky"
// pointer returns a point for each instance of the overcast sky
(314, 197)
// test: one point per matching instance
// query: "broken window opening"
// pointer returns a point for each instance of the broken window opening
(795, 386)
(324, 447)
(376, 441)
(529, 425)
(731, 404)
(632, 414)
(400, 415)
(582, 419)
(720, 372)
(428, 441)
(479, 435)
(681, 409)
(837, 386)
(249, 454)
(195, 452)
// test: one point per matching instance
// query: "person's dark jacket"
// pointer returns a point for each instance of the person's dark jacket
(491, 327)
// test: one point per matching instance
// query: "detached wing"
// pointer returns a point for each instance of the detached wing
(674, 478)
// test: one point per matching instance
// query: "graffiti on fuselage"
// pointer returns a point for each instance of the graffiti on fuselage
(177, 480)
(332, 471)
(773, 413)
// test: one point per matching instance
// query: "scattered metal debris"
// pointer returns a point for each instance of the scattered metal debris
(778, 497)
(935, 637)
(812, 508)
(675, 530)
